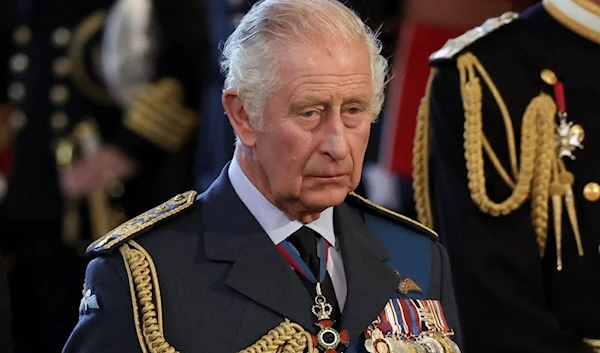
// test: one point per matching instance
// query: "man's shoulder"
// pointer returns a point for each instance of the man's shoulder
(379, 213)
(488, 36)
(147, 222)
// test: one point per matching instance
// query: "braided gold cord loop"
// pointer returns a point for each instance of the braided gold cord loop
(534, 172)
(472, 103)
(140, 270)
(421, 160)
(288, 337)
(544, 109)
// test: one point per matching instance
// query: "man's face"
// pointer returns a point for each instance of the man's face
(317, 126)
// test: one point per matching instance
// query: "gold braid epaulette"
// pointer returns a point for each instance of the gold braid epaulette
(530, 172)
(457, 45)
(136, 225)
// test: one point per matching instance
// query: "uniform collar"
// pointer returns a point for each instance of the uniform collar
(274, 222)
(580, 16)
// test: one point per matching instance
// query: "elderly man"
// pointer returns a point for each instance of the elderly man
(278, 254)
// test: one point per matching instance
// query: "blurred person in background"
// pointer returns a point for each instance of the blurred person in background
(506, 170)
(86, 155)
(424, 27)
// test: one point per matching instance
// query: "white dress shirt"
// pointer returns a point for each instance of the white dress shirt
(278, 226)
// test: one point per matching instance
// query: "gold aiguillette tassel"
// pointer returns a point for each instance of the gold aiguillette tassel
(556, 190)
(567, 178)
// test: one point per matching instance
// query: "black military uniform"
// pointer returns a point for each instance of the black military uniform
(63, 111)
(189, 276)
(506, 110)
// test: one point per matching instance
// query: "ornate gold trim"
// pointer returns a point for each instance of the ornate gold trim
(154, 274)
(151, 132)
(571, 24)
(134, 305)
(158, 115)
(145, 220)
(422, 193)
(90, 26)
(288, 337)
(390, 212)
(144, 280)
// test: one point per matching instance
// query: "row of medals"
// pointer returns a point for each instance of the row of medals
(426, 342)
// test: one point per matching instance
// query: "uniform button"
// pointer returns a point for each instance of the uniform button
(592, 192)
(17, 120)
(64, 153)
(59, 94)
(59, 121)
(549, 77)
(16, 92)
(19, 63)
(22, 35)
(61, 66)
(61, 37)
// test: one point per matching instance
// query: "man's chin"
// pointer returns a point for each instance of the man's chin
(322, 199)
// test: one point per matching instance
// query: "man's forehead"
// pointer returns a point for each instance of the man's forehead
(321, 59)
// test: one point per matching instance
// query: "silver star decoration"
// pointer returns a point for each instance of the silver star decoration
(569, 138)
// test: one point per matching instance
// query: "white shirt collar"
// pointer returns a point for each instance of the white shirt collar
(274, 222)
(581, 16)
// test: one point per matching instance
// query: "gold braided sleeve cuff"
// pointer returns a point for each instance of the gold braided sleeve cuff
(159, 116)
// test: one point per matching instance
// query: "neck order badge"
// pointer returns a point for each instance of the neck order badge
(328, 338)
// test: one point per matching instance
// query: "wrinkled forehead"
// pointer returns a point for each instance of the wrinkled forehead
(322, 59)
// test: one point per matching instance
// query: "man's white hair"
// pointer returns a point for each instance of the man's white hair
(249, 61)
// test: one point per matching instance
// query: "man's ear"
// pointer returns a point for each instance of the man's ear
(239, 119)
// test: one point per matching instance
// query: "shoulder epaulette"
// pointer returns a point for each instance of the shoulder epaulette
(144, 222)
(372, 207)
(458, 44)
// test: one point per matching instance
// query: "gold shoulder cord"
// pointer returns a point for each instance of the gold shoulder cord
(421, 160)
(142, 278)
(288, 337)
(532, 177)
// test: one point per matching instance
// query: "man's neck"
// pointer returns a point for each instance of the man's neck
(294, 210)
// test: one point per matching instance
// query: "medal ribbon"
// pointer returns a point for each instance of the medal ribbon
(438, 313)
(293, 258)
(559, 95)
(400, 318)
(415, 320)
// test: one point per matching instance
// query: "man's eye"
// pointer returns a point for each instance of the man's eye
(309, 114)
(354, 110)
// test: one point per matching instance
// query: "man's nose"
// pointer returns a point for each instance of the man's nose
(335, 143)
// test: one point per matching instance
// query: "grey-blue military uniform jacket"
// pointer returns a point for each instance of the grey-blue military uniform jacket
(199, 274)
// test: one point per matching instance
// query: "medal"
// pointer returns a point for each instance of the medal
(328, 338)
(431, 345)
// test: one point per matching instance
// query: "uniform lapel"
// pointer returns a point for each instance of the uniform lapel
(259, 272)
(371, 283)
